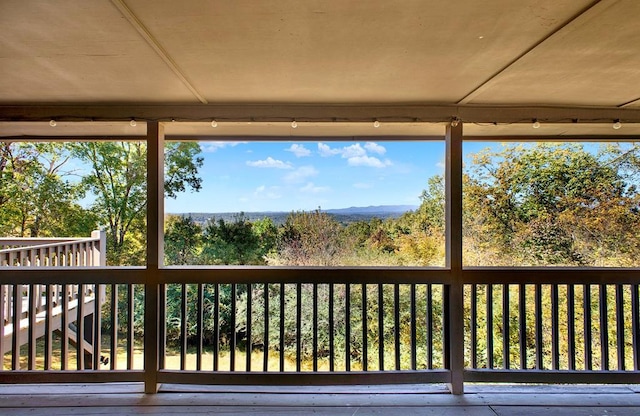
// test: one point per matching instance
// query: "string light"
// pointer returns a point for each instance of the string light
(454, 121)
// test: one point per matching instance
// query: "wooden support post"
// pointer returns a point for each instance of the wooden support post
(155, 224)
(99, 251)
(4, 319)
(454, 293)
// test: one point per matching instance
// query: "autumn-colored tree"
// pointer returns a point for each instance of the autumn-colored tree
(310, 239)
(547, 204)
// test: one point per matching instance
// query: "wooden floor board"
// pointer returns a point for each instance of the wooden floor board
(408, 400)
(318, 400)
(549, 389)
(565, 411)
(374, 389)
(241, 410)
(66, 388)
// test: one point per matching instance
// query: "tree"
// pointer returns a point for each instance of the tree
(16, 164)
(310, 239)
(35, 198)
(239, 241)
(118, 180)
(182, 241)
(421, 240)
(548, 204)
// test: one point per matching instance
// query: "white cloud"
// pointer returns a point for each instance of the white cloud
(263, 192)
(375, 148)
(269, 163)
(301, 174)
(326, 151)
(298, 150)
(346, 152)
(362, 185)
(210, 147)
(311, 188)
(370, 161)
(355, 150)
(356, 154)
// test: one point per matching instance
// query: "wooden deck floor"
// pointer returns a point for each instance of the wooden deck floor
(123, 399)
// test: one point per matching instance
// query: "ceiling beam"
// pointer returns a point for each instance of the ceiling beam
(587, 12)
(562, 138)
(155, 45)
(630, 103)
(320, 113)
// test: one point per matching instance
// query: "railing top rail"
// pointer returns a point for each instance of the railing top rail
(28, 241)
(47, 245)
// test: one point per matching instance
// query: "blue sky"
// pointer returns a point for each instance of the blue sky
(289, 176)
(286, 176)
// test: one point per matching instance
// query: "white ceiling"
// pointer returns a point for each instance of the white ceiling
(335, 52)
(328, 51)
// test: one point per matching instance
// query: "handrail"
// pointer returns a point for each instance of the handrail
(30, 241)
(62, 252)
(48, 245)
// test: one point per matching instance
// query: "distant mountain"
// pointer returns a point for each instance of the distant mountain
(373, 209)
(342, 215)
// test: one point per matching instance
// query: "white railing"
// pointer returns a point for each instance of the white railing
(54, 252)
(28, 304)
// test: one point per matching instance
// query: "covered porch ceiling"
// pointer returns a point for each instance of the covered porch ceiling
(334, 66)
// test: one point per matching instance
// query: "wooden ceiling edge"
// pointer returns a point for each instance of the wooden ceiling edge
(226, 138)
(562, 138)
(318, 113)
(587, 11)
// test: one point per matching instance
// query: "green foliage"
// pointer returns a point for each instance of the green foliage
(373, 308)
(35, 198)
(118, 180)
(124, 307)
(182, 241)
(550, 204)
(238, 242)
(181, 167)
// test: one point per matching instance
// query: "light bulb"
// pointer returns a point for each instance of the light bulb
(214, 123)
(133, 123)
(376, 124)
(454, 122)
(294, 124)
(617, 125)
(536, 124)
(53, 123)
